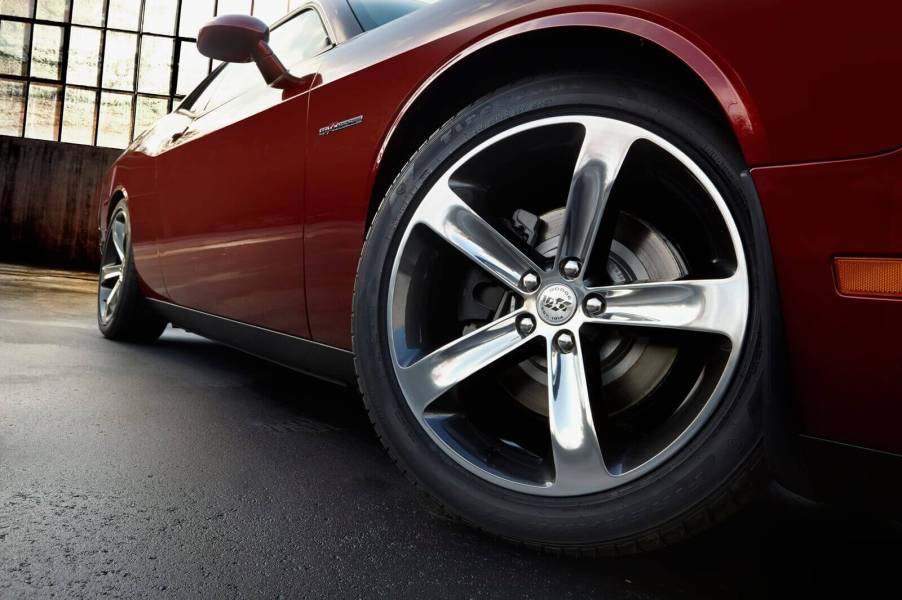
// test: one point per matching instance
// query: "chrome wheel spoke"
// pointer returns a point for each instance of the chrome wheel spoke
(113, 298)
(578, 464)
(458, 224)
(112, 266)
(118, 235)
(108, 272)
(711, 305)
(600, 158)
(436, 373)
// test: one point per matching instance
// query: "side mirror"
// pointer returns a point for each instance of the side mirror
(242, 39)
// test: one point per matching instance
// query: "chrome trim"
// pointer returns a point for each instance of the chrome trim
(338, 126)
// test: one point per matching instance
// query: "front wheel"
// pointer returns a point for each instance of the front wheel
(122, 311)
(558, 318)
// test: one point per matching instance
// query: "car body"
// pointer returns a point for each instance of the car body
(248, 220)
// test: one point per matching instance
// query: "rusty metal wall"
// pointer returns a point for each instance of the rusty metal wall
(48, 201)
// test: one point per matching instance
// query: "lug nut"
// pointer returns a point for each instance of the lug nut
(530, 282)
(571, 268)
(594, 306)
(565, 342)
(526, 325)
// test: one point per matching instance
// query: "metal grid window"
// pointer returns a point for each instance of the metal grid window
(100, 72)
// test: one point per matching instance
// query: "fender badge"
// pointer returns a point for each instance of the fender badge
(338, 126)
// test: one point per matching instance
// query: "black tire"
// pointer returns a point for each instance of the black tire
(132, 319)
(719, 470)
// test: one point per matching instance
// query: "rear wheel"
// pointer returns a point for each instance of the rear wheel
(558, 317)
(122, 312)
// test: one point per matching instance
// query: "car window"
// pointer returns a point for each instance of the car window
(373, 13)
(293, 41)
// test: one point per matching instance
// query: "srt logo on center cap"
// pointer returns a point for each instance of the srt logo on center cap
(556, 304)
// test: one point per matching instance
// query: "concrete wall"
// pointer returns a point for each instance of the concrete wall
(48, 201)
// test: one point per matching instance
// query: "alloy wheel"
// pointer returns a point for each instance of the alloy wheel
(578, 289)
(113, 266)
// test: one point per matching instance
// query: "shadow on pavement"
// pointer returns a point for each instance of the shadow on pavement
(781, 546)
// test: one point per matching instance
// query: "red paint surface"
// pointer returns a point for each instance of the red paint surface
(231, 198)
(749, 54)
(256, 217)
(845, 352)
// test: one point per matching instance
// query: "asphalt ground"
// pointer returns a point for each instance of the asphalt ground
(187, 469)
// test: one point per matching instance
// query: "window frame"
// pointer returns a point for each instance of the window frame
(98, 89)
(173, 99)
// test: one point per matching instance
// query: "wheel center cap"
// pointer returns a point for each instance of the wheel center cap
(556, 304)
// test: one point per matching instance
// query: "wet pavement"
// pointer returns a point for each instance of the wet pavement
(187, 469)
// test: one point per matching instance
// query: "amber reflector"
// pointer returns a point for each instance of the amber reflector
(881, 277)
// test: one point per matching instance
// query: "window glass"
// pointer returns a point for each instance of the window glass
(159, 16)
(84, 56)
(46, 50)
(114, 128)
(231, 81)
(148, 112)
(295, 40)
(193, 68)
(299, 39)
(79, 116)
(123, 14)
(15, 38)
(12, 107)
(88, 12)
(373, 13)
(119, 60)
(43, 118)
(195, 14)
(17, 8)
(155, 69)
(53, 10)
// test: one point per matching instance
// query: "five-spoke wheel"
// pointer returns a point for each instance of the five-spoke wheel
(557, 316)
(555, 300)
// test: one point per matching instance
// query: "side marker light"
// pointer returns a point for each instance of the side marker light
(873, 277)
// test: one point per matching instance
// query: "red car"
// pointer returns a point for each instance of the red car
(600, 270)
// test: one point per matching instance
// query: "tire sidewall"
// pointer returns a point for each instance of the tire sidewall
(708, 463)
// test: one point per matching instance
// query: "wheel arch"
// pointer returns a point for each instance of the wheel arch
(650, 49)
(118, 194)
(643, 49)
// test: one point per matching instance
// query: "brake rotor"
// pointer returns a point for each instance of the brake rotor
(632, 365)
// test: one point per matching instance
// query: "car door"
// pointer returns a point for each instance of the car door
(231, 189)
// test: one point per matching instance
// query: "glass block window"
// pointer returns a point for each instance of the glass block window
(12, 107)
(42, 119)
(84, 56)
(46, 51)
(80, 118)
(100, 72)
